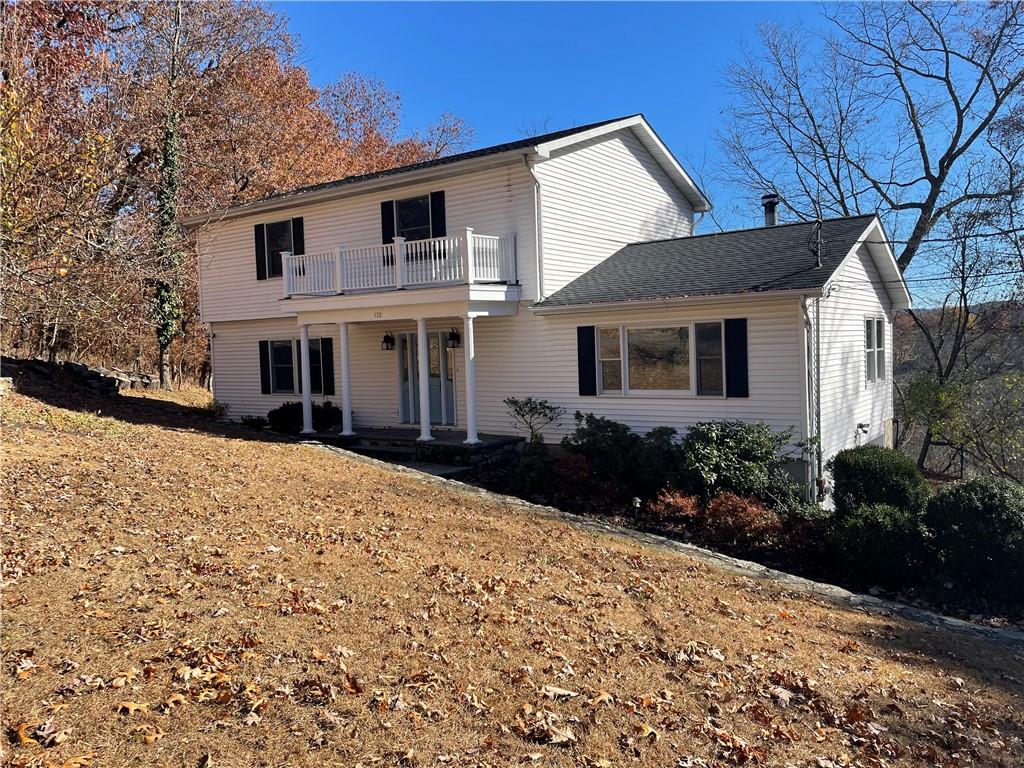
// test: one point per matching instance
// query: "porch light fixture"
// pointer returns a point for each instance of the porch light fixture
(388, 342)
(454, 340)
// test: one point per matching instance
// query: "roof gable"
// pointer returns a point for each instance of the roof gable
(542, 145)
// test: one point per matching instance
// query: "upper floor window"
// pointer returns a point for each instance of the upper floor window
(412, 218)
(273, 239)
(874, 348)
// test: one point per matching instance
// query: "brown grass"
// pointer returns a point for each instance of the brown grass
(265, 603)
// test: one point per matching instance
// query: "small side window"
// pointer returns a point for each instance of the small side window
(609, 355)
(880, 349)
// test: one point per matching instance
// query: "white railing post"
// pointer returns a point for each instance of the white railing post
(339, 271)
(467, 254)
(399, 262)
(286, 271)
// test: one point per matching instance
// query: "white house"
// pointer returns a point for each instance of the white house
(562, 266)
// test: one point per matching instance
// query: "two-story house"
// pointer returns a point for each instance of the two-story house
(563, 266)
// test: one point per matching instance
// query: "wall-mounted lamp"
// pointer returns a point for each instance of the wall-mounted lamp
(388, 342)
(454, 340)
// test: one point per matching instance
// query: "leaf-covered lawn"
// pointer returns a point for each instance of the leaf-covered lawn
(179, 593)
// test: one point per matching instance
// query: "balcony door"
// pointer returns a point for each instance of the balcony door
(441, 372)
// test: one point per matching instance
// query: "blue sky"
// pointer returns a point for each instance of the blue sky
(509, 68)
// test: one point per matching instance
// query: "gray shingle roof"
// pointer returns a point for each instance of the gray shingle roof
(742, 261)
(446, 160)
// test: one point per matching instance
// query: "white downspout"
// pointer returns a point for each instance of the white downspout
(812, 420)
(537, 227)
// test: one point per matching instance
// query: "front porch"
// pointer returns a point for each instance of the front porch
(408, 370)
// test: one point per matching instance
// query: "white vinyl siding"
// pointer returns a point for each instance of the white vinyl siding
(532, 355)
(536, 355)
(494, 202)
(851, 393)
(600, 195)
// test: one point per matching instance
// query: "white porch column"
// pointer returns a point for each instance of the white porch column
(307, 390)
(424, 370)
(469, 346)
(346, 383)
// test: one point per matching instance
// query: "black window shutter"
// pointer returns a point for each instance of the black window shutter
(298, 366)
(261, 253)
(298, 237)
(265, 367)
(327, 363)
(736, 380)
(387, 222)
(437, 223)
(586, 359)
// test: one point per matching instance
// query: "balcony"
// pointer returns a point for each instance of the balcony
(460, 259)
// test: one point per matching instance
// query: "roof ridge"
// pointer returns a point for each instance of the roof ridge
(539, 138)
(751, 229)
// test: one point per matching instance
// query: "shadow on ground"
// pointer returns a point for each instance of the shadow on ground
(64, 391)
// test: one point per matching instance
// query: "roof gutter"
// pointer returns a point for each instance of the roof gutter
(680, 301)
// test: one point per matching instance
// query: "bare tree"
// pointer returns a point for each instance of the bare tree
(896, 110)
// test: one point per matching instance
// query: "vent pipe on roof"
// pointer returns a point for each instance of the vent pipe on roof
(770, 202)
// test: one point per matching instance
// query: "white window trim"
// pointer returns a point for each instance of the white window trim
(296, 347)
(877, 380)
(430, 214)
(682, 394)
(266, 249)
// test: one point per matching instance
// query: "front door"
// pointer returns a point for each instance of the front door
(441, 371)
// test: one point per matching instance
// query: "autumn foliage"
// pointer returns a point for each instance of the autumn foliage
(85, 98)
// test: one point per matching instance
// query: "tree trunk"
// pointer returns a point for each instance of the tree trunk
(165, 367)
(926, 444)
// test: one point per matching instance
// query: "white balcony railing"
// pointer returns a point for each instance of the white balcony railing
(455, 259)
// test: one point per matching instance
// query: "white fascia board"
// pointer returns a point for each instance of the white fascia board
(682, 301)
(639, 125)
(877, 243)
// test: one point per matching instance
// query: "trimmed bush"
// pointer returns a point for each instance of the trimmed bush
(978, 537)
(739, 458)
(733, 519)
(254, 422)
(534, 470)
(631, 464)
(872, 474)
(881, 544)
(287, 417)
(675, 508)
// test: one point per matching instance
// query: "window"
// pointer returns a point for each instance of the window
(609, 353)
(284, 377)
(874, 348)
(412, 218)
(279, 238)
(282, 372)
(658, 359)
(710, 356)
